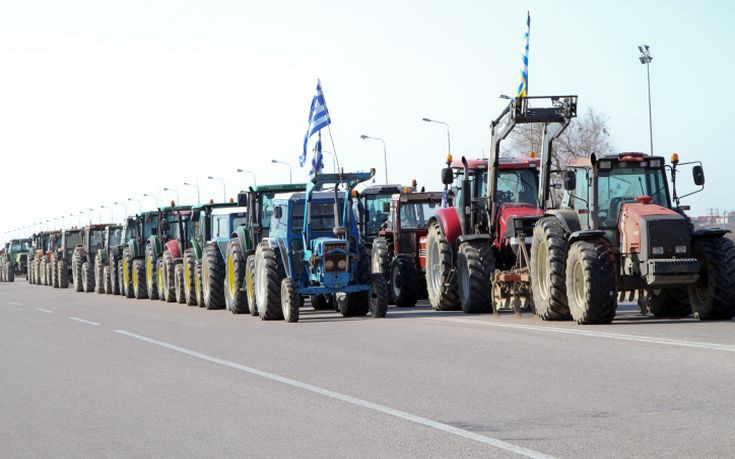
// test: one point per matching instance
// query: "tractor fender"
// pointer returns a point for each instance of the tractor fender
(449, 223)
(474, 237)
(568, 219)
(586, 236)
(243, 236)
(174, 249)
(197, 249)
(709, 233)
(155, 244)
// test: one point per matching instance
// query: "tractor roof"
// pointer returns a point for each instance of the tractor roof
(301, 195)
(381, 189)
(97, 226)
(280, 188)
(214, 205)
(505, 163)
(623, 156)
(427, 196)
(229, 210)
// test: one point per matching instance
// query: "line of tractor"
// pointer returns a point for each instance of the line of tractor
(505, 234)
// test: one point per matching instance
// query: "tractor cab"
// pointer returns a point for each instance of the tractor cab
(93, 239)
(215, 222)
(68, 241)
(258, 201)
(372, 207)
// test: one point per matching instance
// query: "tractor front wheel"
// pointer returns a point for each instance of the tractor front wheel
(213, 278)
(475, 266)
(138, 275)
(268, 277)
(591, 283)
(548, 270)
(712, 297)
(190, 263)
(670, 303)
(378, 296)
(179, 284)
(126, 274)
(320, 302)
(63, 274)
(250, 284)
(404, 281)
(169, 287)
(99, 274)
(107, 278)
(440, 286)
(87, 278)
(290, 300)
(151, 274)
(235, 297)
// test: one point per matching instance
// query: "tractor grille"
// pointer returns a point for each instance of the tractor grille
(668, 234)
(331, 260)
(673, 266)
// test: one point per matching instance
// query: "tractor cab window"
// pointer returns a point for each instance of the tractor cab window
(622, 184)
(266, 209)
(115, 237)
(517, 185)
(220, 226)
(579, 197)
(478, 185)
(238, 221)
(73, 239)
(321, 219)
(375, 213)
(416, 215)
(95, 240)
(19, 246)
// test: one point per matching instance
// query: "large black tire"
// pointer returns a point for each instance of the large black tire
(63, 274)
(179, 287)
(236, 299)
(114, 275)
(380, 258)
(404, 281)
(10, 277)
(712, 297)
(439, 265)
(138, 274)
(379, 297)
(190, 264)
(168, 288)
(99, 274)
(320, 302)
(250, 284)
(548, 270)
(198, 285)
(475, 266)
(87, 277)
(213, 272)
(151, 275)
(290, 300)
(107, 279)
(54, 271)
(42, 272)
(76, 271)
(127, 274)
(268, 276)
(591, 282)
(670, 303)
(357, 303)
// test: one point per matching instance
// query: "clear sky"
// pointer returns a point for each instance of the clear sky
(102, 100)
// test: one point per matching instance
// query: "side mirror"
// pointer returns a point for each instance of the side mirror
(698, 175)
(242, 199)
(195, 215)
(278, 212)
(570, 180)
(386, 207)
(447, 176)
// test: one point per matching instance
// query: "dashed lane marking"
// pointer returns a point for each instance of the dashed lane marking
(84, 321)
(15, 303)
(47, 311)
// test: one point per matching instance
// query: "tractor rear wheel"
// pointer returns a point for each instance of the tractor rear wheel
(380, 258)
(63, 274)
(198, 285)
(127, 274)
(404, 281)
(179, 286)
(114, 275)
(320, 302)
(712, 297)
(99, 274)
(439, 264)
(357, 303)
(268, 276)
(107, 278)
(159, 278)
(121, 284)
(236, 299)
(250, 284)
(10, 277)
(591, 282)
(379, 296)
(151, 275)
(190, 265)
(290, 300)
(87, 278)
(169, 272)
(548, 270)
(475, 266)
(213, 274)
(138, 275)
(54, 271)
(76, 271)
(670, 303)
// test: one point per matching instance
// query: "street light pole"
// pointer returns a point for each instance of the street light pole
(199, 199)
(154, 197)
(385, 154)
(112, 213)
(290, 177)
(243, 171)
(449, 143)
(646, 59)
(224, 186)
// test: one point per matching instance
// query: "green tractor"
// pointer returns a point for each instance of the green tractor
(204, 266)
(240, 254)
(131, 265)
(15, 259)
(164, 254)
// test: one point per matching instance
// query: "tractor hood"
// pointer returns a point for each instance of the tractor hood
(330, 258)
(509, 212)
(638, 223)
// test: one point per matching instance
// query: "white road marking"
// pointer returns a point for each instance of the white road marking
(15, 303)
(47, 311)
(594, 334)
(348, 399)
(88, 322)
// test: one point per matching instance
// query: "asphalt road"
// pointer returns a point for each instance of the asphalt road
(88, 375)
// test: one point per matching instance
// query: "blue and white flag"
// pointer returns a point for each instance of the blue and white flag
(318, 119)
(523, 87)
(317, 161)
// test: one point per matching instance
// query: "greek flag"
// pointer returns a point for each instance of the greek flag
(523, 87)
(318, 119)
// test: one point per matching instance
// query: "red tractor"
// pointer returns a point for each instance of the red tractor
(619, 229)
(399, 251)
(479, 247)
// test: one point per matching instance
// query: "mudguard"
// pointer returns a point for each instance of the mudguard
(568, 218)
(197, 249)
(449, 223)
(586, 236)
(243, 236)
(174, 249)
(709, 233)
(155, 243)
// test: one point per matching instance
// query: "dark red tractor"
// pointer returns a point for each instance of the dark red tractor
(399, 251)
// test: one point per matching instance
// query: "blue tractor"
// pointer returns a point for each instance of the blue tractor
(314, 249)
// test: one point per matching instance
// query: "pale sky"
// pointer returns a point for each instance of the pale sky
(101, 100)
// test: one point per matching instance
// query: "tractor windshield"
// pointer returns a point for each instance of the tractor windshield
(622, 184)
(266, 209)
(20, 246)
(115, 237)
(73, 239)
(377, 212)
(95, 240)
(322, 217)
(416, 215)
(517, 185)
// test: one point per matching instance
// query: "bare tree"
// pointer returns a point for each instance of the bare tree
(585, 135)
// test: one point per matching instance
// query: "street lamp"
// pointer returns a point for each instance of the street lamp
(175, 191)
(224, 186)
(449, 144)
(140, 207)
(290, 177)
(646, 59)
(147, 195)
(243, 171)
(197, 187)
(385, 155)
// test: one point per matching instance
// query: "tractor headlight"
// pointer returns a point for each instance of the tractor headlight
(342, 264)
(680, 249)
(329, 264)
(657, 250)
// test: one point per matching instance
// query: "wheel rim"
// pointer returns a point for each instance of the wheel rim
(205, 278)
(260, 285)
(187, 281)
(251, 288)
(231, 275)
(578, 284)
(543, 270)
(135, 284)
(435, 266)
(125, 272)
(160, 282)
